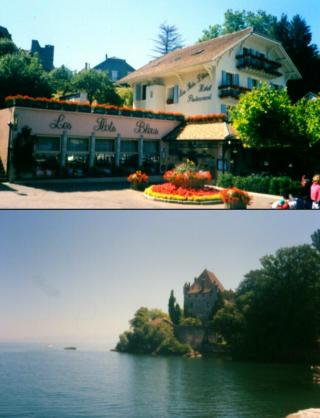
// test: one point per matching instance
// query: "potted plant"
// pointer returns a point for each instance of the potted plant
(138, 180)
(235, 198)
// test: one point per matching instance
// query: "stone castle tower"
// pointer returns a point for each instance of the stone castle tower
(201, 296)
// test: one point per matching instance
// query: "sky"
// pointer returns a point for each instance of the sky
(80, 276)
(85, 31)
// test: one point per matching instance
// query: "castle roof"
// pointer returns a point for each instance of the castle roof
(203, 284)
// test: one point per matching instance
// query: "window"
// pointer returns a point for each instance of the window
(129, 147)
(114, 75)
(47, 144)
(151, 147)
(173, 95)
(253, 83)
(229, 79)
(104, 145)
(78, 144)
(144, 92)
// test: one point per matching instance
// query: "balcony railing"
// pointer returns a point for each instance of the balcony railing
(258, 64)
(232, 91)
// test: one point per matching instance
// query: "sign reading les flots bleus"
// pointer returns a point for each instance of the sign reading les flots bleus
(106, 125)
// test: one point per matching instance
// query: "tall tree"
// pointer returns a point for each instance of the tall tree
(61, 80)
(21, 73)
(169, 39)
(7, 47)
(237, 20)
(174, 309)
(296, 38)
(4, 33)
(264, 118)
(98, 86)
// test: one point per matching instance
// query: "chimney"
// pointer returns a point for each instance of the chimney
(87, 66)
(106, 56)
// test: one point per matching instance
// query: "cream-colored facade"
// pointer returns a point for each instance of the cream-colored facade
(211, 86)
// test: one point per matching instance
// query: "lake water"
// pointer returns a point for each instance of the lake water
(36, 381)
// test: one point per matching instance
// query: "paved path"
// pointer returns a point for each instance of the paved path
(92, 196)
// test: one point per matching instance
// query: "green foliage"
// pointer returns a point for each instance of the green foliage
(61, 80)
(307, 113)
(236, 20)
(316, 240)
(4, 34)
(169, 39)
(260, 184)
(151, 333)
(21, 73)
(7, 47)
(126, 95)
(98, 87)
(274, 315)
(264, 118)
(174, 309)
(191, 322)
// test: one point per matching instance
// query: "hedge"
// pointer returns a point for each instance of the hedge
(260, 184)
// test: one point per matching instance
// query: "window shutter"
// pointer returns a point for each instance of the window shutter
(224, 78)
(138, 92)
(176, 94)
(224, 109)
(237, 79)
(250, 83)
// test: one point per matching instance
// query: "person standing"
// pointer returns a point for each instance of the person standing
(315, 192)
(306, 192)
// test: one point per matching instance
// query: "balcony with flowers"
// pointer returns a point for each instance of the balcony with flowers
(233, 91)
(257, 63)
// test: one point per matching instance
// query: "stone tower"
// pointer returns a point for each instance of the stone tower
(46, 54)
(201, 296)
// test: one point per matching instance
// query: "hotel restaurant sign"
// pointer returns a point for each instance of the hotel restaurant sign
(104, 125)
(44, 122)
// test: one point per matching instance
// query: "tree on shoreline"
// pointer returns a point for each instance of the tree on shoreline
(275, 316)
(174, 309)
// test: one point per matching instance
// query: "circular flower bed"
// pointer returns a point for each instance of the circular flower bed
(168, 192)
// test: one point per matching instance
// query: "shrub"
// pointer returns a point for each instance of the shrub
(260, 184)
(191, 322)
(186, 175)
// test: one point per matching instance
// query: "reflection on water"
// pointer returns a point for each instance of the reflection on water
(54, 383)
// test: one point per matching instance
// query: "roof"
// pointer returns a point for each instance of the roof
(198, 54)
(209, 131)
(203, 284)
(114, 63)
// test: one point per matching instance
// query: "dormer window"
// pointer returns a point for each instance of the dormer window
(200, 51)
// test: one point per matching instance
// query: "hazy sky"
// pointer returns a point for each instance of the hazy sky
(84, 31)
(83, 274)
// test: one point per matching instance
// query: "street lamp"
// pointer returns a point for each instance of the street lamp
(13, 126)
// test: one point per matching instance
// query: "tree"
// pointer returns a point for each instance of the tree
(316, 240)
(235, 21)
(126, 95)
(4, 33)
(7, 47)
(169, 39)
(151, 333)
(264, 118)
(296, 38)
(174, 309)
(98, 87)
(61, 80)
(21, 73)
(307, 114)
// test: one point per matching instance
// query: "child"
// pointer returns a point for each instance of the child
(315, 192)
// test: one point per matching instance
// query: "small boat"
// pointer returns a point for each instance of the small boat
(70, 348)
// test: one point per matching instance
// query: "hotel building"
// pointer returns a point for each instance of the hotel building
(203, 79)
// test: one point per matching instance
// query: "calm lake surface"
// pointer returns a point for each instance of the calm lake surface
(36, 381)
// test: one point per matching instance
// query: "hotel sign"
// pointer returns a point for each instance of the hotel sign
(103, 125)
(61, 123)
(107, 125)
